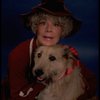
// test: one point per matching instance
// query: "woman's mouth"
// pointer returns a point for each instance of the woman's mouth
(48, 37)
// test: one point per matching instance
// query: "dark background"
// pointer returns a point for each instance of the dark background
(85, 41)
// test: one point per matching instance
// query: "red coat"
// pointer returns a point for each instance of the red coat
(18, 60)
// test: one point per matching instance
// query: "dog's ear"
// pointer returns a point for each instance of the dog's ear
(64, 49)
(68, 54)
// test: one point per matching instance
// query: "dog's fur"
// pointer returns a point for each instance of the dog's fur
(50, 66)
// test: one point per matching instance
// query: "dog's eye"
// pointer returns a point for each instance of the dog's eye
(52, 58)
(39, 55)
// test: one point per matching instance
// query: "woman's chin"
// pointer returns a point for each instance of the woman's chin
(46, 42)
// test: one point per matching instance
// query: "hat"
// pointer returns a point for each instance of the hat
(53, 7)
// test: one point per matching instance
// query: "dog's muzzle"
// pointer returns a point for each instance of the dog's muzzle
(39, 72)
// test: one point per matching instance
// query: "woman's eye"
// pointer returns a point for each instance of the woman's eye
(39, 55)
(52, 58)
(56, 24)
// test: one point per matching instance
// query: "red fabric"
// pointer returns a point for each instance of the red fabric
(18, 60)
(90, 82)
(74, 51)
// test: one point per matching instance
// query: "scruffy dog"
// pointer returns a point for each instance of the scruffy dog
(60, 74)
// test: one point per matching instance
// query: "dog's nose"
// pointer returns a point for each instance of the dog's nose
(39, 72)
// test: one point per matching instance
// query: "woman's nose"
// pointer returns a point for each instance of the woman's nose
(49, 27)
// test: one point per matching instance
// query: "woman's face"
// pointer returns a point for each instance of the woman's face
(48, 32)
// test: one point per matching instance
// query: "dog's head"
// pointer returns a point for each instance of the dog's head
(50, 62)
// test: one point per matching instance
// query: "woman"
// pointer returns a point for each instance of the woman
(50, 21)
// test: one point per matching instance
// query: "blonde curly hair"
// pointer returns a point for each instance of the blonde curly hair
(65, 22)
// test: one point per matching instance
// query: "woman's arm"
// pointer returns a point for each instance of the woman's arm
(20, 89)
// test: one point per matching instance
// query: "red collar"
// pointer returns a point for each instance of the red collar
(70, 70)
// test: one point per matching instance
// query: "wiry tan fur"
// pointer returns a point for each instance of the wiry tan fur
(69, 87)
